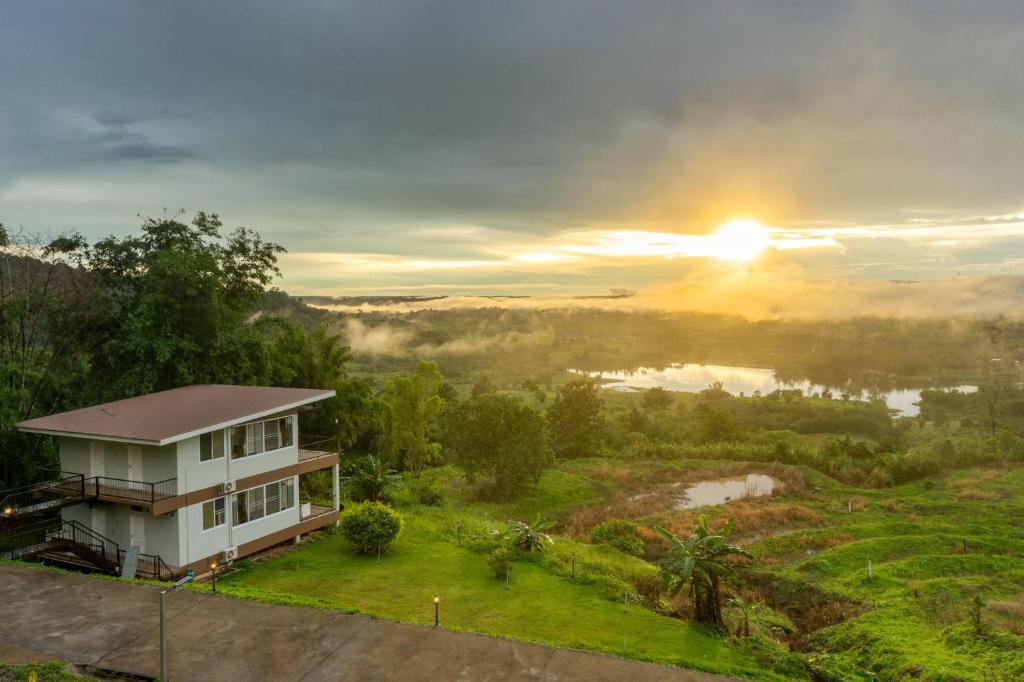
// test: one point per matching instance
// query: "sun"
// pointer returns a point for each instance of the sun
(739, 241)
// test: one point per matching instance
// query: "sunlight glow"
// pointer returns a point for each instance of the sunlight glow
(740, 241)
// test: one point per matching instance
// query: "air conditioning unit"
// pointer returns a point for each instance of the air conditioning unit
(227, 487)
(229, 554)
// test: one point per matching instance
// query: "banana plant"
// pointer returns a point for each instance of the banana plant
(699, 563)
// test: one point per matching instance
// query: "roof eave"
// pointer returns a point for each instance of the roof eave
(247, 418)
(182, 436)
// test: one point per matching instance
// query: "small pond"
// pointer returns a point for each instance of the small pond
(709, 493)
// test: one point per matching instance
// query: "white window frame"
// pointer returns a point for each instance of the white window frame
(256, 437)
(286, 494)
(223, 513)
(214, 436)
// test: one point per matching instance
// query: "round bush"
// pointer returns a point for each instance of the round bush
(500, 560)
(619, 534)
(371, 526)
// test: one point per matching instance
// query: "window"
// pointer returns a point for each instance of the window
(239, 511)
(252, 439)
(286, 431)
(272, 434)
(265, 500)
(211, 446)
(213, 513)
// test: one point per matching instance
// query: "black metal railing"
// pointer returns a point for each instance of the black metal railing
(133, 491)
(58, 534)
(150, 566)
(65, 488)
(29, 538)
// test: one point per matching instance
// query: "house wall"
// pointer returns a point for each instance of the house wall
(194, 474)
(199, 544)
(177, 537)
(147, 463)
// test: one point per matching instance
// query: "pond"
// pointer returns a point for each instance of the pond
(708, 493)
(692, 378)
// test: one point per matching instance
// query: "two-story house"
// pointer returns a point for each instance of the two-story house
(184, 477)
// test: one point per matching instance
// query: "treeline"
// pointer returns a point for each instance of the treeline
(169, 306)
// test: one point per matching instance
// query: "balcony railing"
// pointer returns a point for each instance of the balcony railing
(63, 489)
(320, 447)
(132, 491)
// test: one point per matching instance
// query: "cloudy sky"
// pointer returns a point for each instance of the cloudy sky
(530, 147)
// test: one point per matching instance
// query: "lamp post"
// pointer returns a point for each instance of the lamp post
(163, 621)
(213, 569)
(437, 611)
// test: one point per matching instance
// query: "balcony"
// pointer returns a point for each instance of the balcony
(316, 449)
(123, 490)
(69, 488)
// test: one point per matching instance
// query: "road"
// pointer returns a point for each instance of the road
(112, 625)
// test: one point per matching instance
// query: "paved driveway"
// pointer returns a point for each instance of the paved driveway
(113, 625)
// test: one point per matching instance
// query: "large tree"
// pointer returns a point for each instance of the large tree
(412, 407)
(576, 420)
(500, 437)
(178, 297)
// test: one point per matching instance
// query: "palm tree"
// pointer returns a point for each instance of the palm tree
(699, 562)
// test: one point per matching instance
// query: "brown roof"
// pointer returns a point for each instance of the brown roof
(170, 416)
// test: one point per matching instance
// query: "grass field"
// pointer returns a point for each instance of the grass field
(929, 610)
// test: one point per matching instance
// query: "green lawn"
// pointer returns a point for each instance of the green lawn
(912, 617)
(537, 606)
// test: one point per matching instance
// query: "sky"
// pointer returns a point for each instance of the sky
(532, 148)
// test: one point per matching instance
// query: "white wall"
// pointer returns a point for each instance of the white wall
(194, 474)
(197, 543)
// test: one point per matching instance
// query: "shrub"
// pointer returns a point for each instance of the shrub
(620, 534)
(528, 538)
(371, 526)
(500, 560)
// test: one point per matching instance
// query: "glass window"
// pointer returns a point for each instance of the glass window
(211, 446)
(272, 434)
(238, 442)
(286, 431)
(254, 438)
(255, 503)
(213, 513)
(240, 512)
(288, 496)
(273, 493)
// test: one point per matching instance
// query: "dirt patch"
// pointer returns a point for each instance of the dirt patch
(808, 607)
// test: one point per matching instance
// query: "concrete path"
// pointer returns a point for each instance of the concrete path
(51, 615)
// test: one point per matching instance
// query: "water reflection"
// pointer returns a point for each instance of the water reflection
(708, 493)
(749, 381)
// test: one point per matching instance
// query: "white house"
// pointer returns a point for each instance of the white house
(188, 476)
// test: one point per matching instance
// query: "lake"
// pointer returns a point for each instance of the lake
(691, 378)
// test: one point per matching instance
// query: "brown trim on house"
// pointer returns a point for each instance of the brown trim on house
(205, 494)
(259, 544)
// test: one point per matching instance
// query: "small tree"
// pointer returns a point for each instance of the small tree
(371, 526)
(700, 564)
(656, 399)
(498, 436)
(575, 420)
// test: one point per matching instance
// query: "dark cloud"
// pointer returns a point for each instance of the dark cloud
(320, 119)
